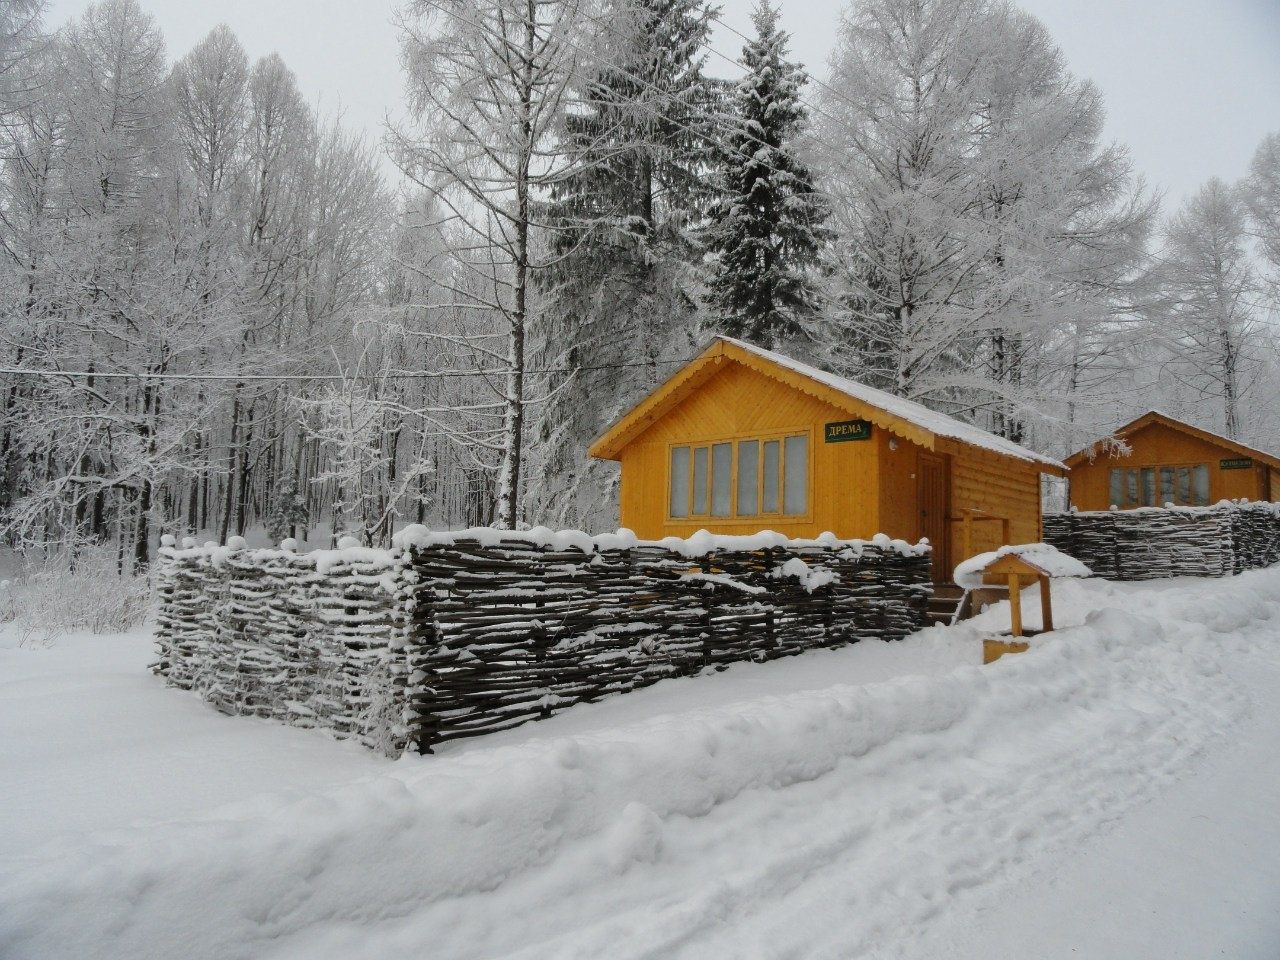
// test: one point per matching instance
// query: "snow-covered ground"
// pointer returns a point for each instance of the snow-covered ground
(1111, 794)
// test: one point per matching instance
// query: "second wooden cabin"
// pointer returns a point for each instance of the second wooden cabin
(1161, 460)
(743, 439)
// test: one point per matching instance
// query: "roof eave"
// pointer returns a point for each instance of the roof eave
(1091, 453)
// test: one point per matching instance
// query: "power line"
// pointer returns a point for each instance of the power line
(302, 377)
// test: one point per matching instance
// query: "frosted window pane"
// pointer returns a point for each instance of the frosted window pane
(1184, 485)
(1166, 485)
(1148, 487)
(721, 478)
(748, 477)
(795, 496)
(1117, 488)
(1201, 484)
(679, 481)
(1131, 478)
(771, 465)
(699, 480)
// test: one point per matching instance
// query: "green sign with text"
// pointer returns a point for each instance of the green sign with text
(847, 430)
(1242, 463)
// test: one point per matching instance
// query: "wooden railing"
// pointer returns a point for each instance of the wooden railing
(968, 517)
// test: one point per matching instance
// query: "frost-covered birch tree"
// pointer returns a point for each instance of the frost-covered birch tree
(1207, 313)
(979, 216)
(169, 236)
(1262, 196)
(486, 83)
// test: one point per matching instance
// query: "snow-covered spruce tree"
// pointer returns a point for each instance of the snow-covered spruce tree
(766, 227)
(623, 288)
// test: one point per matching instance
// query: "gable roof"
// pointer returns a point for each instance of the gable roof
(906, 418)
(1156, 417)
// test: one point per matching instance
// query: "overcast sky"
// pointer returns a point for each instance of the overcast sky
(1191, 85)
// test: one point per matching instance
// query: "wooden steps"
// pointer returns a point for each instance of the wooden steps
(944, 605)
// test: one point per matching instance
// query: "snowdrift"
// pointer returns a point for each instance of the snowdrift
(495, 851)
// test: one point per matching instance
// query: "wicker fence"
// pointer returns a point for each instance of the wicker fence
(314, 640)
(1150, 543)
(462, 634)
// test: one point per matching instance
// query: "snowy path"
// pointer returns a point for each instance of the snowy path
(1193, 874)
(886, 800)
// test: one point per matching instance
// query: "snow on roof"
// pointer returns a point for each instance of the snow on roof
(1177, 423)
(1048, 558)
(936, 423)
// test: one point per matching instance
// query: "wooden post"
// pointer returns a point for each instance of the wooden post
(966, 521)
(1015, 604)
(1046, 604)
(1004, 530)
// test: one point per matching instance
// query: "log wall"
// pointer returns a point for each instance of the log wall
(457, 635)
(1150, 543)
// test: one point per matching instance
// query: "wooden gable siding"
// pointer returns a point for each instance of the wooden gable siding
(740, 403)
(1157, 445)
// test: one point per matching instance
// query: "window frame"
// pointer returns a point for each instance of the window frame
(761, 437)
(1157, 471)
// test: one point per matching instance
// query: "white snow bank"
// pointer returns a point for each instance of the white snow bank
(811, 579)
(697, 545)
(717, 830)
(1048, 558)
(1242, 503)
(416, 535)
(323, 560)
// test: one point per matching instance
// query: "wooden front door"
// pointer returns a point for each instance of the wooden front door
(931, 499)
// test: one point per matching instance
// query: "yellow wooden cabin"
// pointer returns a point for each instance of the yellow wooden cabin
(743, 439)
(1169, 461)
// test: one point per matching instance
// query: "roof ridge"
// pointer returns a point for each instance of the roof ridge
(1176, 423)
(915, 412)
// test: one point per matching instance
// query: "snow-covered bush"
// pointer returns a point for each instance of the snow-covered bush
(54, 596)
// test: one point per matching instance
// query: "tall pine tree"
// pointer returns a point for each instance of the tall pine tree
(623, 236)
(767, 229)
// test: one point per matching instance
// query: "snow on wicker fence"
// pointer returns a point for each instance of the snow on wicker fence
(460, 634)
(1152, 542)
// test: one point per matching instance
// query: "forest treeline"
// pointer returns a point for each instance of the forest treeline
(219, 313)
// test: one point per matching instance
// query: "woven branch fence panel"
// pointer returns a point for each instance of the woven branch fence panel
(313, 640)
(457, 635)
(1151, 542)
(515, 630)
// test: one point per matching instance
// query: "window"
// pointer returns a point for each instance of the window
(699, 480)
(679, 481)
(721, 476)
(1185, 485)
(746, 478)
(795, 493)
(770, 485)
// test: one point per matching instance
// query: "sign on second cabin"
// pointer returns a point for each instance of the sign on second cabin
(1239, 463)
(847, 430)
